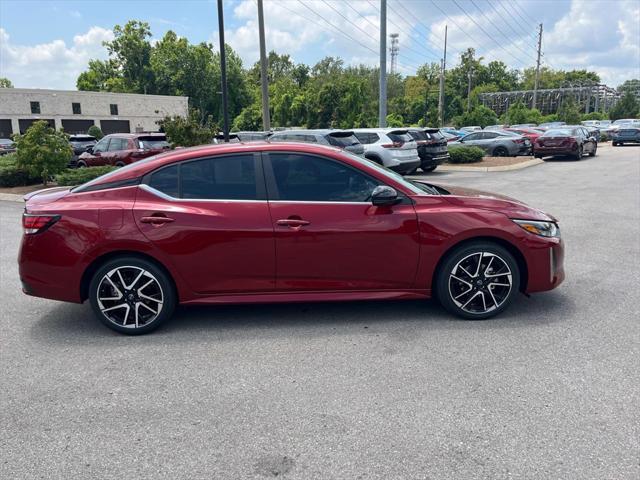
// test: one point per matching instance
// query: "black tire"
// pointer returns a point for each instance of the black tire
(593, 153)
(615, 144)
(429, 169)
(469, 252)
(119, 164)
(579, 153)
(81, 164)
(161, 294)
(621, 144)
(500, 152)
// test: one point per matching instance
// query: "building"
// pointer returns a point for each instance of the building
(76, 111)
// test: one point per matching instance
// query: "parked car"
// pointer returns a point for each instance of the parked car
(495, 127)
(573, 141)
(393, 148)
(335, 138)
(80, 144)
(242, 137)
(121, 149)
(526, 132)
(7, 146)
(627, 133)
(453, 131)
(195, 226)
(474, 128)
(432, 147)
(590, 123)
(547, 125)
(497, 144)
(524, 125)
(623, 121)
(449, 136)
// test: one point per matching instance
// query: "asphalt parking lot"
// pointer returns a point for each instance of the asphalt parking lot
(396, 390)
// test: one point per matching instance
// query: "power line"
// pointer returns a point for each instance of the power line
(519, 34)
(485, 32)
(517, 10)
(500, 31)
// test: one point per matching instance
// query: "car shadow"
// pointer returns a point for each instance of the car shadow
(67, 324)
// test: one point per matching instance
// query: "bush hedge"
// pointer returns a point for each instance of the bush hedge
(77, 176)
(13, 176)
(465, 154)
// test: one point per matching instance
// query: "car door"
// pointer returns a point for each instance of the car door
(472, 140)
(99, 149)
(329, 237)
(210, 218)
(117, 146)
(589, 143)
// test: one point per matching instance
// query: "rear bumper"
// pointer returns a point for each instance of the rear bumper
(549, 151)
(433, 160)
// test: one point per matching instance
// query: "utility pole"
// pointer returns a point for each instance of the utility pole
(395, 48)
(223, 73)
(443, 67)
(382, 98)
(469, 91)
(535, 87)
(264, 80)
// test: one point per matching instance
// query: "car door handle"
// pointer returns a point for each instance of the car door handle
(292, 222)
(157, 220)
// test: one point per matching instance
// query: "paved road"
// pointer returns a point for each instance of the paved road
(400, 390)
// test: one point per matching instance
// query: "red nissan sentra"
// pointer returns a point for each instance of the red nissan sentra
(269, 222)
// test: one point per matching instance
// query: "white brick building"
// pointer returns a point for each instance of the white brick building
(76, 111)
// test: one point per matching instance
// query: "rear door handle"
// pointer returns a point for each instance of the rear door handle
(157, 220)
(292, 222)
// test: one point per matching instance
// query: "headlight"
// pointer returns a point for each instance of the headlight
(544, 229)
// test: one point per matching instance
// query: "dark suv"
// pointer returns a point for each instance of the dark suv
(121, 149)
(432, 147)
(80, 144)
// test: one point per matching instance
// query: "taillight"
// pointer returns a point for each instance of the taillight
(393, 145)
(37, 223)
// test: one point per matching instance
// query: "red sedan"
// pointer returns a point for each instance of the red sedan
(529, 133)
(573, 142)
(269, 222)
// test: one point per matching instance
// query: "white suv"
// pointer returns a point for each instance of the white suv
(392, 147)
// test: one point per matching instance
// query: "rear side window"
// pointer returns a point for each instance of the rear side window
(316, 179)
(166, 180)
(489, 135)
(118, 144)
(418, 135)
(223, 178)
(434, 135)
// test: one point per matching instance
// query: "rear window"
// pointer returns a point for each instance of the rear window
(399, 137)
(149, 143)
(558, 133)
(418, 135)
(434, 135)
(367, 137)
(342, 140)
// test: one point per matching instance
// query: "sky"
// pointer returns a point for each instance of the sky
(47, 44)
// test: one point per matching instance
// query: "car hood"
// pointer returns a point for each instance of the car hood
(471, 198)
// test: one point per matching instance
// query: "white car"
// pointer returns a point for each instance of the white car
(393, 148)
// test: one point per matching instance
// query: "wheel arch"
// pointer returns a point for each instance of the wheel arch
(510, 247)
(102, 259)
(374, 157)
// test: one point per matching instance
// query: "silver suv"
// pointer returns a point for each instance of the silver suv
(336, 138)
(392, 147)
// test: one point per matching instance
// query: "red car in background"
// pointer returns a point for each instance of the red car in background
(278, 222)
(120, 149)
(529, 133)
(574, 142)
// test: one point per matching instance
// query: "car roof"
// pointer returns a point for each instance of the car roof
(137, 134)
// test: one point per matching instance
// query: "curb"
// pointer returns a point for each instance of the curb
(500, 168)
(11, 197)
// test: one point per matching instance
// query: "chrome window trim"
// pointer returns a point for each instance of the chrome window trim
(169, 198)
(323, 202)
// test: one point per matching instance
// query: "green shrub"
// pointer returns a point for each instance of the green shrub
(95, 132)
(465, 154)
(77, 176)
(13, 176)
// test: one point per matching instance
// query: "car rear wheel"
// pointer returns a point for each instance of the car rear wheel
(131, 295)
(500, 152)
(579, 153)
(593, 152)
(429, 169)
(81, 164)
(477, 280)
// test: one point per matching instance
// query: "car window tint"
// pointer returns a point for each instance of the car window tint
(309, 178)
(166, 180)
(101, 146)
(472, 136)
(230, 177)
(117, 144)
(489, 135)
(366, 137)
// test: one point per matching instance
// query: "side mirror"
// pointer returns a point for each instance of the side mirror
(383, 195)
(89, 149)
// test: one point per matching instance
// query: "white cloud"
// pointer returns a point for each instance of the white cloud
(53, 64)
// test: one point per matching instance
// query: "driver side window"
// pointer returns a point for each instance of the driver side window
(316, 179)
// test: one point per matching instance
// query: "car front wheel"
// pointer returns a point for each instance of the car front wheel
(131, 295)
(478, 281)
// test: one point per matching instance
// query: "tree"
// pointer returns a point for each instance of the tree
(131, 50)
(568, 111)
(95, 132)
(42, 151)
(189, 131)
(630, 86)
(627, 107)
(519, 113)
(5, 83)
(480, 115)
(102, 76)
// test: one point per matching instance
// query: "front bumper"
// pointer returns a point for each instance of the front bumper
(545, 262)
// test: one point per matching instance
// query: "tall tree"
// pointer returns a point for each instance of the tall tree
(131, 49)
(5, 83)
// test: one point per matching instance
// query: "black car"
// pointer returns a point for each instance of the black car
(432, 147)
(7, 146)
(80, 144)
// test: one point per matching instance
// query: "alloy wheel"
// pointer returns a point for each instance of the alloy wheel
(130, 297)
(480, 283)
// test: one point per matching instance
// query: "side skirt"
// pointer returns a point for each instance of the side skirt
(288, 297)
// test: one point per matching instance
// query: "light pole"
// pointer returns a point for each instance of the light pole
(223, 73)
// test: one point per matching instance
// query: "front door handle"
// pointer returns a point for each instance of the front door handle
(157, 220)
(292, 222)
